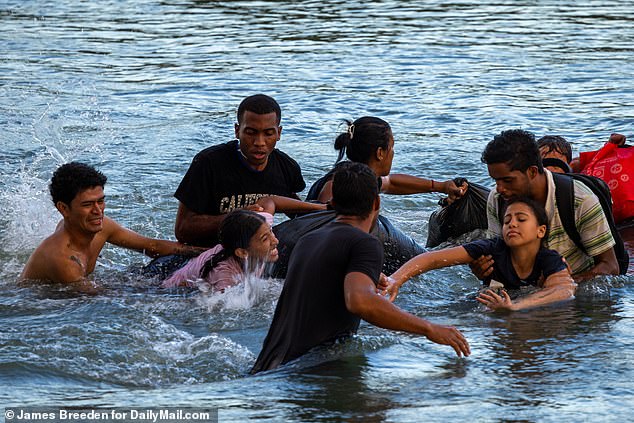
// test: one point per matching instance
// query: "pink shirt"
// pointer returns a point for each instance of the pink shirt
(227, 273)
(224, 275)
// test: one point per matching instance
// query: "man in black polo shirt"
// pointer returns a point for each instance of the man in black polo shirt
(236, 174)
(332, 277)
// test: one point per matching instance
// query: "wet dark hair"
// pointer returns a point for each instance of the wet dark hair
(236, 231)
(354, 189)
(72, 178)
(515, 147)
(556, 143)
(362, 138)
(259, 104)
(537, 209)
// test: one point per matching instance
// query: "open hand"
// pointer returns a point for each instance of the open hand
(496, 301)
(449, 335)
(387, 286)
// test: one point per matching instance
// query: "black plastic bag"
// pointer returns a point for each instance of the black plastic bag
(462, 216)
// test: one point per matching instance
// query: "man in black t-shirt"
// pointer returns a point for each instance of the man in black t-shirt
(236, 174)
(332, 281)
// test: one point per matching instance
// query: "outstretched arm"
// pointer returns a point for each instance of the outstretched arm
(362, 300)
(557, 287)
(425, 262)
(277, 203)
(402, 184)
(122, 237)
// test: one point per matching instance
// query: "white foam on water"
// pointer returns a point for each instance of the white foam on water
(249, 291)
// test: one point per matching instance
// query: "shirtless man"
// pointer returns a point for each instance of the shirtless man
(69, 255)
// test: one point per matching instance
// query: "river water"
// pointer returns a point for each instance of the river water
(137, 88)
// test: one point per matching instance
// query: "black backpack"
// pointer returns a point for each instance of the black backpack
(565, 197)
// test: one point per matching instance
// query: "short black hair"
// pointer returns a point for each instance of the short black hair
(259, 104)
(71, 178)
(354, 189)
(515, 147)
(556, 143)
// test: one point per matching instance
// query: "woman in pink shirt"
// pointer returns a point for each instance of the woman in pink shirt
(247, 244)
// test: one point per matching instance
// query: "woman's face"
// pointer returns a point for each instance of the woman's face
(388, 157)
(520, 226)
(263, 245)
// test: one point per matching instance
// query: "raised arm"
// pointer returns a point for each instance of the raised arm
(122, 237)
(362, 300)
(557, 287)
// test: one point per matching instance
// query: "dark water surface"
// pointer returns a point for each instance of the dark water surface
(137, 88)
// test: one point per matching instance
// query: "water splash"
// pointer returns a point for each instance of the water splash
(246, 294)
(30, 216)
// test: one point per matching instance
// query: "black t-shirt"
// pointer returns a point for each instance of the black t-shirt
(219, 180)
(547, 262)
(311, 309)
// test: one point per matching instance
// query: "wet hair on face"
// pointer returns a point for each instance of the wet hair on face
(556, 143)
(259, 104)
(236, 231)
(515, 147)
(362, 138)
(538, 211)
(72, 178)
(354, 189)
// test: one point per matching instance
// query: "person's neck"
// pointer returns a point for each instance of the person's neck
(523, 258)
(78, 240)
(375, 166)
(364, 224)
(245, 161)
(540, 189)
(257, 168)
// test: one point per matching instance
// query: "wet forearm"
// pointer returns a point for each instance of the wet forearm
(196, 229)
(402, 184)
(158, 248)
(429, 261)
(380, 312)
(545, 296)
(293, 205)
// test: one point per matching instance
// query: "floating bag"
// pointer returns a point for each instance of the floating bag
(460, 217)
(615, 165)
